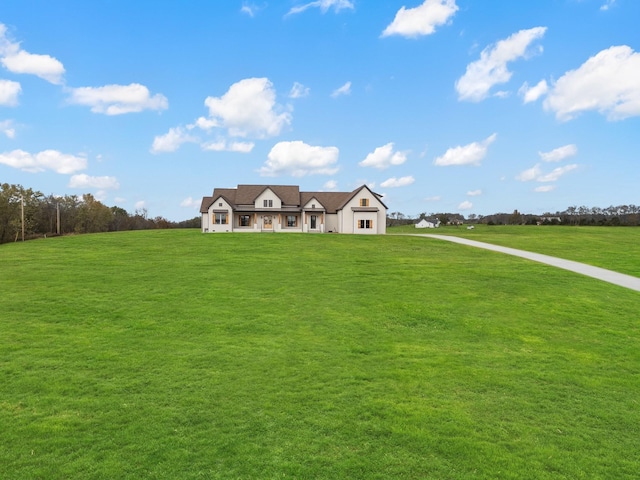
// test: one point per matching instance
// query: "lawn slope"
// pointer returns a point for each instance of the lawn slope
(614, 248)
(172, 354)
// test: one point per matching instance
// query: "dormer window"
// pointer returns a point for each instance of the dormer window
(267, 203)
(364, 202)
(313, 205)
(220, 204)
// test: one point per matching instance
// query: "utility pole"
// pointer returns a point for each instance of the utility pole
(58, 218)
(22, 214)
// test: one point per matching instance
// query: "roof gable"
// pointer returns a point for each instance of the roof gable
(358, 190)
(247, 194)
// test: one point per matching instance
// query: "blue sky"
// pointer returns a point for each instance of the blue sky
(468, 106)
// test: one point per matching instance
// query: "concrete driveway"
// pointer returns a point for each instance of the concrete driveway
(626, 281)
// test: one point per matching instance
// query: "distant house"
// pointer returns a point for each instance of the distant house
(428, 223)
(549, 220)
(284, 208)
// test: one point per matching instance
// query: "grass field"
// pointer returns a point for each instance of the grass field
(615, 248)
(172, 354)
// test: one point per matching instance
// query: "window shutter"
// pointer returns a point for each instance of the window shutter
(371, 223)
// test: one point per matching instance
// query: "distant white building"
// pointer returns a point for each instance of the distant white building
(428, 223)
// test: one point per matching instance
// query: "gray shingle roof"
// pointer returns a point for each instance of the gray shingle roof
(290, 195)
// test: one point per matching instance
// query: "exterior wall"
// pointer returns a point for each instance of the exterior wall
(349, 219)
(313, 207)
(425, 224)
(331, 222)
(268, 195)
(371, 217)
(204, 222)
(218, 206)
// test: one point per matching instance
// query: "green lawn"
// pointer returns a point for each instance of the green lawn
(172, 354)
(615, 248)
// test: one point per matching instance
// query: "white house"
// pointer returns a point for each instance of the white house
(424, 223)
(284, 208)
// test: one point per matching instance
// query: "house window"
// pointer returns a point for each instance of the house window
(365, 223)
(220, 204)
(267, 203)
(245, 220)
(221, 219)
(291, 220)
(313, 205)
(364, 202)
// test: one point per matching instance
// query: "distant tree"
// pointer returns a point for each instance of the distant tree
(120, 219)
(9, 211)
(515, 218)
(93, 216)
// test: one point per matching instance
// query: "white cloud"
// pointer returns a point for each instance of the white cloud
(140, 204)
(471, 154)
(559, 154)
(17, 60)
(189, 202)
(466, 205)
(394, 182)
(421, 20)
(9, 92)
(474, 193)
(248, 109)
(384, 157)
(435, 198)
(85, 181)
(299, 159)
(251, 9)
(330, 185)
(491, 69)
(607, 5)
(205, 124)
(544, 188)
(324, 6)
(43, 66)
(343, 90)
(534, 93)
(606, 82)
(45, 160)
(535, 173)
(529, 174)
(171, 141)
(224, 146)
(555, 175)
(6, 127)
(298, 91)
(118, 99)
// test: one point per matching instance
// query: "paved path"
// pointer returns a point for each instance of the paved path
(616, 278)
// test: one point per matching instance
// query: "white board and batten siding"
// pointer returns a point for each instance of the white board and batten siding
(220, 206)
(363, 214)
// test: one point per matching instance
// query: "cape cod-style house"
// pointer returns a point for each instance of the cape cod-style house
(284, 208)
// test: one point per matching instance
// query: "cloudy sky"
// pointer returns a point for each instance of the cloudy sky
(461, 106)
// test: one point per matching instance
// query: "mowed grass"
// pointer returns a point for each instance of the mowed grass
(614, 248)
(172, 354)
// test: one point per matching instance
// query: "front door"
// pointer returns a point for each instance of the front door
(314, 220)
(268, 222)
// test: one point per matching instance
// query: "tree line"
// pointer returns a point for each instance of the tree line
(621, 215)
(37, 215)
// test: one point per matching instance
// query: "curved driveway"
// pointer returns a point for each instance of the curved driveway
(616, 278)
